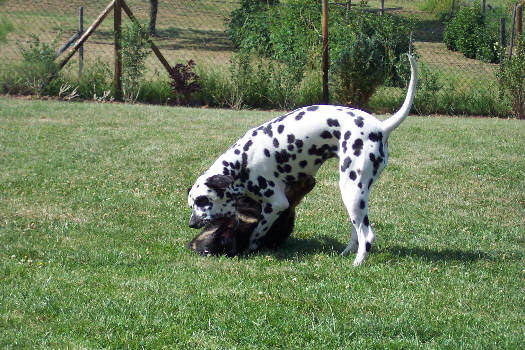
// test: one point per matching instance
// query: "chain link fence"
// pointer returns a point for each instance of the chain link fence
(195, 29)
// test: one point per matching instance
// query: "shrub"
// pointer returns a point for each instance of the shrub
(35, 73)
(512, 79)
(134, 49)
(288, 36)
(467, 33)
(184, 82)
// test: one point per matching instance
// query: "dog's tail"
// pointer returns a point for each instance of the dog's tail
(393, 122)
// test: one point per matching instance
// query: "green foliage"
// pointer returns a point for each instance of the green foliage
(255, 82)
(512, 79)
(368, 52)
(134, 49)
(289, 35)
(468, 33)
(36, 71)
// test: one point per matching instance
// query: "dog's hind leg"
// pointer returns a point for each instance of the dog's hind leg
(356, 203)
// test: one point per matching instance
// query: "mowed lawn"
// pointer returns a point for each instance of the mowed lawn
(93, 228)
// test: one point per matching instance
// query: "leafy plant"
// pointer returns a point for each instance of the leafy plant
(134, 49)
(37, 69)
(184, 81)
(468, 33)
(512, 79)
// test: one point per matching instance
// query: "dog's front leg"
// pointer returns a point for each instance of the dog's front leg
(271, 210)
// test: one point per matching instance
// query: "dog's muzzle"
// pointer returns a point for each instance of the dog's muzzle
(196, 222)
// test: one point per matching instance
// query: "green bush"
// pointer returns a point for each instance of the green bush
(363, 53)
(512, 79)
(36, 72)
(468, 33)
(134, 49)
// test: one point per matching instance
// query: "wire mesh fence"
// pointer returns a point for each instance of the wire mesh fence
(195, 29)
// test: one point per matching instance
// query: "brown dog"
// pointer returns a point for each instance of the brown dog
(231, 237)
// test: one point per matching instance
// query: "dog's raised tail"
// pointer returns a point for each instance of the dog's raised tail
(396, 119)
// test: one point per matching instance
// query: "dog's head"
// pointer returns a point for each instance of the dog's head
(211, 198)
(227, 236)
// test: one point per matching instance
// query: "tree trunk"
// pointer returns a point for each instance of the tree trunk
(153, 6)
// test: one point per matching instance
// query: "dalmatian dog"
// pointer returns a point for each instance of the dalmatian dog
(288, 148)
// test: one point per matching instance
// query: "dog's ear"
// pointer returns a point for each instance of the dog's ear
(219, 182)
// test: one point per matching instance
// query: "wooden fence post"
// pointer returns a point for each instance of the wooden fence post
(382, 8)
(81, 49)
(88, 32)
(117, 78)
(324, 24)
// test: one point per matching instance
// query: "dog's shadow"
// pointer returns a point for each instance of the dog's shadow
(297, 247)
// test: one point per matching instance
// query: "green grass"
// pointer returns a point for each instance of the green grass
(93, 227)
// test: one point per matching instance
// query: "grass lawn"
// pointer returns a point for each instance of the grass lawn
(93, 228)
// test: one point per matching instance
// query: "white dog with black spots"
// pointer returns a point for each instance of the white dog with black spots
(285, 149)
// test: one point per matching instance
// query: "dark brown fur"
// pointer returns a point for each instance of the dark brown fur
(230, 236)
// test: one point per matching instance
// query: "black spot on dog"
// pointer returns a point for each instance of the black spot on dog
(299, 115)
(268, 208)
(365, 221)
(237, 151)
(254, 133)
(268, 193)
(376, 162)
(282, 156)
(225, 163)
(337, 134)
(326, 134)
(353, 175)
(346, 164)
(299, 143)
(376, 137)
(275, 143)
(303, 163)
(357, 147)
(202, 201)
(359, 122)
(350, 113)
(247, 145)
(332, 122)
(347, 135)
(362, 204)
(271, 183)
(368, 246)
(344, 146)
(291, 138)
(262, 182)
(266, 152)
(276, 174)
(312, 108)
(280, 128)
(268, 130)
(290, 179)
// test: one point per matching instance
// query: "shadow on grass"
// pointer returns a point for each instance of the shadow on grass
(297, 247)
(437, 255)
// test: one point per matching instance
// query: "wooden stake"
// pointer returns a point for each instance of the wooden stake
(88, 32)
(81, 49)
(324, 24)
(117, 74)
